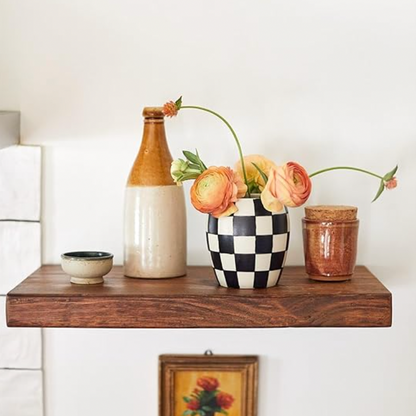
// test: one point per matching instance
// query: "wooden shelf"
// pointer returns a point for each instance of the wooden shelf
(48, 299)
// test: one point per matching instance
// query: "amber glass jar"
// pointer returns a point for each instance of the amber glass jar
(330, 236)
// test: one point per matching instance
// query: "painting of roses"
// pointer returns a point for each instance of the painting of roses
(208, 385)
(214, 393)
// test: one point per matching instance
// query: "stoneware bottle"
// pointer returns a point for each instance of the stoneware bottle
(155, 216)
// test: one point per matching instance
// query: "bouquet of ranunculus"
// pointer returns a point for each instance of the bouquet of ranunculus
(217, 188)
(206, 399)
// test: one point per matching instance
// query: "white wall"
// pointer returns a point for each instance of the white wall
(321, 82)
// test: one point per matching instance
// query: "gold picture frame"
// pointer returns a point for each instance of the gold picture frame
(208, 385)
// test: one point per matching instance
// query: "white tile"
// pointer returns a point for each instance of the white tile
(245, 208)
(245, 280)
(9, 128)
(225, 225)
(19, 347)
(264, 225)
(221, 278)
(273, 276)
(284, 258)
(20, 183)
(263, 262)
(20, 252)
(244, 245)
(228, 262)
(279, 242)
(21, 393)
(213, 242)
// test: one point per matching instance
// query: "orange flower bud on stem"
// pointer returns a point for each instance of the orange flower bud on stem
(171, 109)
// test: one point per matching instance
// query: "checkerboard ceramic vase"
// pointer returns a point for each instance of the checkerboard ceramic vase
(248, 249)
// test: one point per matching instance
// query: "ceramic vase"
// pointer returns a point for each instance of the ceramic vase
(248, 249)
(155, 214)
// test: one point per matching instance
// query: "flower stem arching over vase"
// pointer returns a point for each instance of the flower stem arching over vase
(248, 249)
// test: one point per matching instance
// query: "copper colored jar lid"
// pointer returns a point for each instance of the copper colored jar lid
(153, 112)
(331, 213)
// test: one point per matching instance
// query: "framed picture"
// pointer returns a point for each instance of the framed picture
(208, 385)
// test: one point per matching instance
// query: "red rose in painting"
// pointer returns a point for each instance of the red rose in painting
(208, 383)
(193, 404)
(224, 400)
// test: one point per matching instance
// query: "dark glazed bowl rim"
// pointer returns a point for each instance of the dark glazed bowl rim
(87, 255)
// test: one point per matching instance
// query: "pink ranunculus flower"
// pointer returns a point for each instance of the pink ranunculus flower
(288, 185)
(391, 184)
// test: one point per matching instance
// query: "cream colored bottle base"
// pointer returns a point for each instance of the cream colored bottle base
(154, 232)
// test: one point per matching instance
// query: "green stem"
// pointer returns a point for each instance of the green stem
(346, 168)
(234, 135)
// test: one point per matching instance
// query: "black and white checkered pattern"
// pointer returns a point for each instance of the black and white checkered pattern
(248, 249)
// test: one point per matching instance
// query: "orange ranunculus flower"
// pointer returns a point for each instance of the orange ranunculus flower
(208, 383)
(253, 175)
(287, 185)
(224, 400)
(193, 404)
(215, 191)
(170, 109)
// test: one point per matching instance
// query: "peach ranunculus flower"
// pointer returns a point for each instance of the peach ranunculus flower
(253, 175)
(216, 190)
(288, 185)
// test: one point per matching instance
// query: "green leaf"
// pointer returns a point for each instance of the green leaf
(253, 188)
(191, 157)
(201, 163)
(187, 412)
(390, 174)
(263, 175)
(178, 103)
(209, 395)
(207, 408)
(380, 191)
(194, 166)
(188, 176)
(224, 412)
(186, 399)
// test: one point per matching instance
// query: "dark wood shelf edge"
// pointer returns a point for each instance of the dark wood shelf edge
(363, 311)
(369, 305)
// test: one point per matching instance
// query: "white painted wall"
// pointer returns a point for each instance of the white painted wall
(322, 82)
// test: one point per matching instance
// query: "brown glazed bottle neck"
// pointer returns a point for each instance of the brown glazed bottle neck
(152, 164)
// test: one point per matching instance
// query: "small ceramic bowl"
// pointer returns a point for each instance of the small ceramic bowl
(87, 267)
